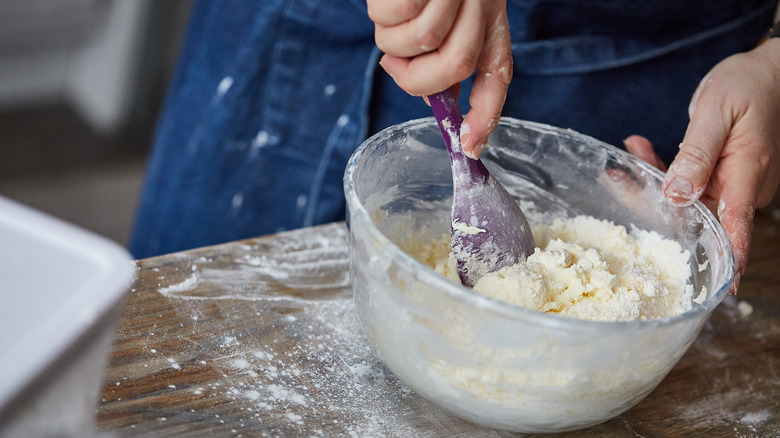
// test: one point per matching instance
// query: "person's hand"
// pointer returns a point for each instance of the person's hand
(431, 45)
(730, 155)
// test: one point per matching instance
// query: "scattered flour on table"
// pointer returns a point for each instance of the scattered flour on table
(187, 284)
(754, 418)
(321, 377)
(715, 410)
(327, 373)
(745, 309)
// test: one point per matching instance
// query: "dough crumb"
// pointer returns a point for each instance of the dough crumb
(745, 309)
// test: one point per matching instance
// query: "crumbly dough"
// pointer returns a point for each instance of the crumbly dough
(587, 268)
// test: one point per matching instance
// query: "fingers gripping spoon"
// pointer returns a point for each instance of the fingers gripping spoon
(489, 231)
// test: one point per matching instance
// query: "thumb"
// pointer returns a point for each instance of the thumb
(700, 150)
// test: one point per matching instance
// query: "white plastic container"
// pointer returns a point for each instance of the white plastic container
(61, 290)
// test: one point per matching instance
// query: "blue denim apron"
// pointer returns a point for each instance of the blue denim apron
(271, 97)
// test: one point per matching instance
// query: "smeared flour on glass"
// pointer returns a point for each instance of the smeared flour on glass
(585, 268)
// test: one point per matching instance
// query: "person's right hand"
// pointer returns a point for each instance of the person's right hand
(431, 45)
(730, 155)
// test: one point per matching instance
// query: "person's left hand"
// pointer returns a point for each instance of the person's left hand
(730, 155)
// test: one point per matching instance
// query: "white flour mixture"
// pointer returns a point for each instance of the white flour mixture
(586, 268)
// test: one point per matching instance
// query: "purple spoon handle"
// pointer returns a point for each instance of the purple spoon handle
(447, 113)
(489, 231)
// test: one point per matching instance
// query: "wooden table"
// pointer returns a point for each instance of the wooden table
(259, 338)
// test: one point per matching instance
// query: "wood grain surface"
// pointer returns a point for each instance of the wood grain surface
(259, 338)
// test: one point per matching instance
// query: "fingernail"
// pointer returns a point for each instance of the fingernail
(475, 152)
(680, 192)
(735, 283)
(383, 64)
(721, 209)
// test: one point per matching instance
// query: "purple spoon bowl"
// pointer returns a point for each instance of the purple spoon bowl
(489, 230)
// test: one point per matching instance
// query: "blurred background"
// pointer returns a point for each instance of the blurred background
(81, 84)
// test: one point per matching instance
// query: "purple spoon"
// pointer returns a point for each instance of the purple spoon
(489, 231)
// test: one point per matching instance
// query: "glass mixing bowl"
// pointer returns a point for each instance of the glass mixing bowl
(487, 361)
